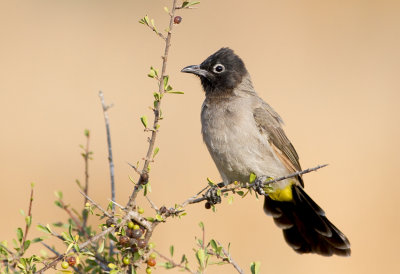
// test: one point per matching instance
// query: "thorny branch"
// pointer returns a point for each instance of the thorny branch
(30, 220)
(96, 205)
(175, 264)
(144, 173)
(86, 157)
(194, 200)
(230, 260)
(110, 156)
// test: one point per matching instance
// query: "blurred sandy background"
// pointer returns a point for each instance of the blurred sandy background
(330, 68)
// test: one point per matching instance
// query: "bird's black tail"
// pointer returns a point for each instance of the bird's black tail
(305, 227)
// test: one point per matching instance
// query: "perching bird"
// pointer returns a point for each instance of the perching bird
(244, 135)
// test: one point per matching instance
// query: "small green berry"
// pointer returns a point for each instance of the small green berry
(126, 260)
(64, 265)
(131, 225)
(140, 210)
(153, 255)
(148, 270)
(152, 245)
(136, 227)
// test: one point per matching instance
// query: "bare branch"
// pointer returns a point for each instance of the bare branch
(193, 201)
(231, 261)
(173, 263)
(153, 205)
(110, 156)
(22, 249)
(96, 205)
(188, 201)
(156, 109)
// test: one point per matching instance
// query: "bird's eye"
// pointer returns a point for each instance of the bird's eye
(218, 68)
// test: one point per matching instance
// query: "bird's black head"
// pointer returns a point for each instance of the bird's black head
(219, 73)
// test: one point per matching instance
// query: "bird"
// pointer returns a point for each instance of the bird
(244, 136)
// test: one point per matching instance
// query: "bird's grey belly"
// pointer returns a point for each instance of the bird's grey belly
(238, 148)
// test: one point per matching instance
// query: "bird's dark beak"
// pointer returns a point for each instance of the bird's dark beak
(195, 69)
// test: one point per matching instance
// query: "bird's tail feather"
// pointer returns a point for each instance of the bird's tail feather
(305, 227)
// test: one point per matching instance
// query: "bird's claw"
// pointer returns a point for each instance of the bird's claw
(259, 184)
(212, 196)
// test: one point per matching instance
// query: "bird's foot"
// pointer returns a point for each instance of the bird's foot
(259, 184)
(212, 195)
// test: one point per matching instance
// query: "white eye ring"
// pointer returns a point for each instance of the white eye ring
(218, 68)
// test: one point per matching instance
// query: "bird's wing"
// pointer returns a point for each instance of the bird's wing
(270, 121)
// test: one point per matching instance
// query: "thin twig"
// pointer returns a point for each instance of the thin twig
(72, 216)
(22, 249)
(117, 204)
(158, 33)
(110, 157)
(86, 157)
(58, 254)
(96, 205)
(173, 263)
(194, 197)
(156, 109)
(231, 261)
(153, 205)
(298, 173)
(81, 246)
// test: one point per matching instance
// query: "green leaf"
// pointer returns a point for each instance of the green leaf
(166, 9)
(210, 182)
(58, 194)
(87, 133)
(28, 220)
(146, 20)
(255, 267)
(230, 200)
(70, 232)
(43, 229)
(36, 240)
(156, 96)
(112, 237)
(151, 74)
(159, 218)
(171, 250)
(20, 234)
(193, 3)
(201, 225)
(240, 193)
(166, 78)
(156, 150)
(58, 203)
(147, 189)
(201, 257)
(144, 121)
(27, 244)
(252, 178)
(175, 92)
(101, 247)
(22, 212)
(184, 259)
(214, 245)
(69, 247)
